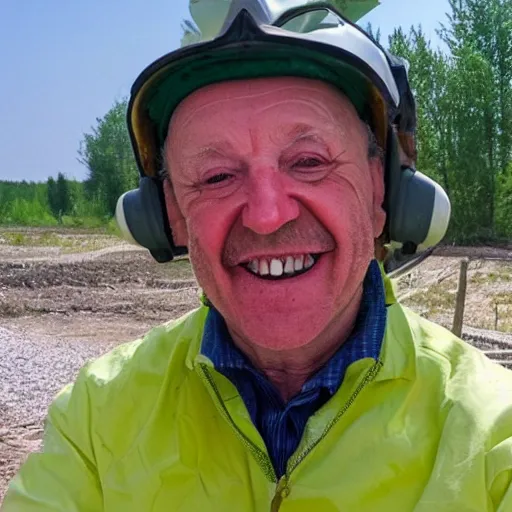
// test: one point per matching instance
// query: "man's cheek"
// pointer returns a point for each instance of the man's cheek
(379, 220)
(207, 239)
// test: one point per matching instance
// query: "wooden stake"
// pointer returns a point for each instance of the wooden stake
(458, 318)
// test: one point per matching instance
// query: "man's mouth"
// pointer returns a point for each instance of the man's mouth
(282, 267)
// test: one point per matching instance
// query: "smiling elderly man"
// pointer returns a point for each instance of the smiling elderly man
(279, 211)
(300, 384)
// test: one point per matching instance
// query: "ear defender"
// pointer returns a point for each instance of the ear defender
(418, 209)
(142, 218)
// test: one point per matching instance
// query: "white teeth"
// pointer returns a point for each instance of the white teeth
(276, 268)
(264, 270)
(288, 266)
(254, 266)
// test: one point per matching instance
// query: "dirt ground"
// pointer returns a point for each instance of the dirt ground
(88, 298)
(96, 294)
(431, 289)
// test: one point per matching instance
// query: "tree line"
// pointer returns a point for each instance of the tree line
(464, 137)
(106, 152)
(464, 100)
(55, 202)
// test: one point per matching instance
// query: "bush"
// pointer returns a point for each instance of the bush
(27, 213)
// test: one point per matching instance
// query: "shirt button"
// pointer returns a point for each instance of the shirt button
(285, 493)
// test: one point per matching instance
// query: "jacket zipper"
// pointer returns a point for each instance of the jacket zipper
(282, 489)
(282, 492)
(261, 457)
(369, 377)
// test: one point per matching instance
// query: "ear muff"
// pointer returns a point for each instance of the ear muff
(142, 218)
(418, 208)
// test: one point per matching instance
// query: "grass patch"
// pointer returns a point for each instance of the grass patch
(15, 239)
(67, 240)
(479, 278)
(503, 302)
(486, 289)
(179, 269)
(434, 300)
(84, 222)
(503, 298)
(112, 228)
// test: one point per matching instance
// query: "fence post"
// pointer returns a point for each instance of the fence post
(458, 318)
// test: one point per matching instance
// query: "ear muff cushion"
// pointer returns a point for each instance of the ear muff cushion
(418, 209)
(145, 219)
(413, 208)
(441, 213)
(392, 177)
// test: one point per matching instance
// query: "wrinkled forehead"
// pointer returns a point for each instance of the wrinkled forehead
(300, 97)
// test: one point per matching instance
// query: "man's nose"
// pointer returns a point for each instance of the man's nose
(269, 205)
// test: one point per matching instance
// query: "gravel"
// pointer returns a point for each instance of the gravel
(33, 371)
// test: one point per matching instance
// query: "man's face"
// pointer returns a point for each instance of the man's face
(278, 203)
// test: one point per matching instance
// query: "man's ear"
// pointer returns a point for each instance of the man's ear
(379, 215)
(174, 215)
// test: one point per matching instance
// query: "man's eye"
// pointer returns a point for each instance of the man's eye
(218, 178)
(308, 162)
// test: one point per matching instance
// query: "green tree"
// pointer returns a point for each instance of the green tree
(59, 196)
(23, 203)
(459, 130)
(53, 199)
(470, 92)
(373, 33)
(486, 28)
(63, 195)
(504, 204)
(479, 35)
(427, 74)
(107, 154)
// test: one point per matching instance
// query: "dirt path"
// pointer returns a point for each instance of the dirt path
(56, 258)
(483, 252)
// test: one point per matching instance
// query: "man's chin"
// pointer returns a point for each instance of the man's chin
(280, 332)
(281, 314)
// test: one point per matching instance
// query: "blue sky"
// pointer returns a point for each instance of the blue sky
(63, 63)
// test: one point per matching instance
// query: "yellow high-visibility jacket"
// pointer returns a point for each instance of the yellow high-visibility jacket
(153, 427)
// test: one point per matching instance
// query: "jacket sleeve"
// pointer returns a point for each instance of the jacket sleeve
(499, 475)
(63, 477)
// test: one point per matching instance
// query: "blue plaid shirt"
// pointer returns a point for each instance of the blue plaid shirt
(281, 424)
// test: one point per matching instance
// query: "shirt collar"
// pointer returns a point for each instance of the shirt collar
(365, 341)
